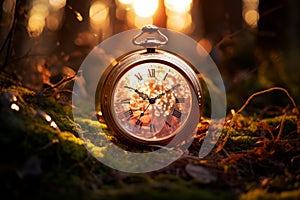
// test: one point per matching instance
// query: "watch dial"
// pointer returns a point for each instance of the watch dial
(151, 101)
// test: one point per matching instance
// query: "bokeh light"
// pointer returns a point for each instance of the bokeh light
(57, 4)
(98, 14)
(37, 16)
(125, 1)
(180, 6)
(180, 22)
(36, 24)
(251, 17)
(250, 12)
(139, 22)
(205, 44)
(145, 8)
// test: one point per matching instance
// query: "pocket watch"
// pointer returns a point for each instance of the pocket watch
(150, 95)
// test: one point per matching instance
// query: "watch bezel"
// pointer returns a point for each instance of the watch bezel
(119, 67)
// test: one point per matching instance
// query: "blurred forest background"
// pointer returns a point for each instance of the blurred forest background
(255, 45)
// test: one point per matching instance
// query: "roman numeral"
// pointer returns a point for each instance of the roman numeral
(175, 87)
(138, 123)
(151, 72)
(180, 100)
(165, 76)
(125, 101)
(128, 114)
(176, 113)
(168, 124)
(152, 128)
(139, 76)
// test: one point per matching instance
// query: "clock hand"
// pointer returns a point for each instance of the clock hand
(141, 94)
(143, 113)
(167, 91)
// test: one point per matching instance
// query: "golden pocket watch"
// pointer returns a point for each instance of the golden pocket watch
(149, 95)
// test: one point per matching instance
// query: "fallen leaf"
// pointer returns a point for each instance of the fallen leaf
(200, 173)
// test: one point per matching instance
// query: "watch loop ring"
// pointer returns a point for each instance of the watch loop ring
(150, 42)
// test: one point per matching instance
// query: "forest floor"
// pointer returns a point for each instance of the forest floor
(257, 157)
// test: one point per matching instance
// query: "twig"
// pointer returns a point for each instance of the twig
(266, 91)
(281, 127)
(234, 118)
(9, 37)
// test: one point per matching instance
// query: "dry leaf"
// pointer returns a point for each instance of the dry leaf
(200, 173)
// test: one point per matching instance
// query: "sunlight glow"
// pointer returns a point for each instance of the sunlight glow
(250, 12)
(180, 6)
(57, 4)
(78, 16)
(251, 18)
(125, 1)
(36, 24)
(53, 124)
(37, 16)
(98, 12)
(15, 107)
(145, 8)
(139, 22)
(40, 9)
(53, 22)
(47, 118)
(99, 16)
(180, 22)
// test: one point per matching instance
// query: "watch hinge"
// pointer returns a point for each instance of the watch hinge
(150, 50)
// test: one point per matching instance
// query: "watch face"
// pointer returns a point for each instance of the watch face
(151, 101)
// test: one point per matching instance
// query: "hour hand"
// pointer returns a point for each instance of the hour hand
(167, 91)
(141, 94)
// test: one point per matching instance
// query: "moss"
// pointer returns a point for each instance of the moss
(161, 188)
(290, 123)
(72, 146)
(70, 172)
(265, 195)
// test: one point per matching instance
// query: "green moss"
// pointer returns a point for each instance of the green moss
(290, 123)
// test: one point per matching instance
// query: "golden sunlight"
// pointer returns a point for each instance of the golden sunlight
(180, 6)
(37, 16)
(180, 22)
(139, 22)
(145, 8)
(57, 4)
(98, 13)
(53, 21)
(126, 2)
(251, 18)
(36, 24)
(15, 107)
(250, 12)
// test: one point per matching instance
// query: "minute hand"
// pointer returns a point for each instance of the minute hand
(167, 91)
(141, 94)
